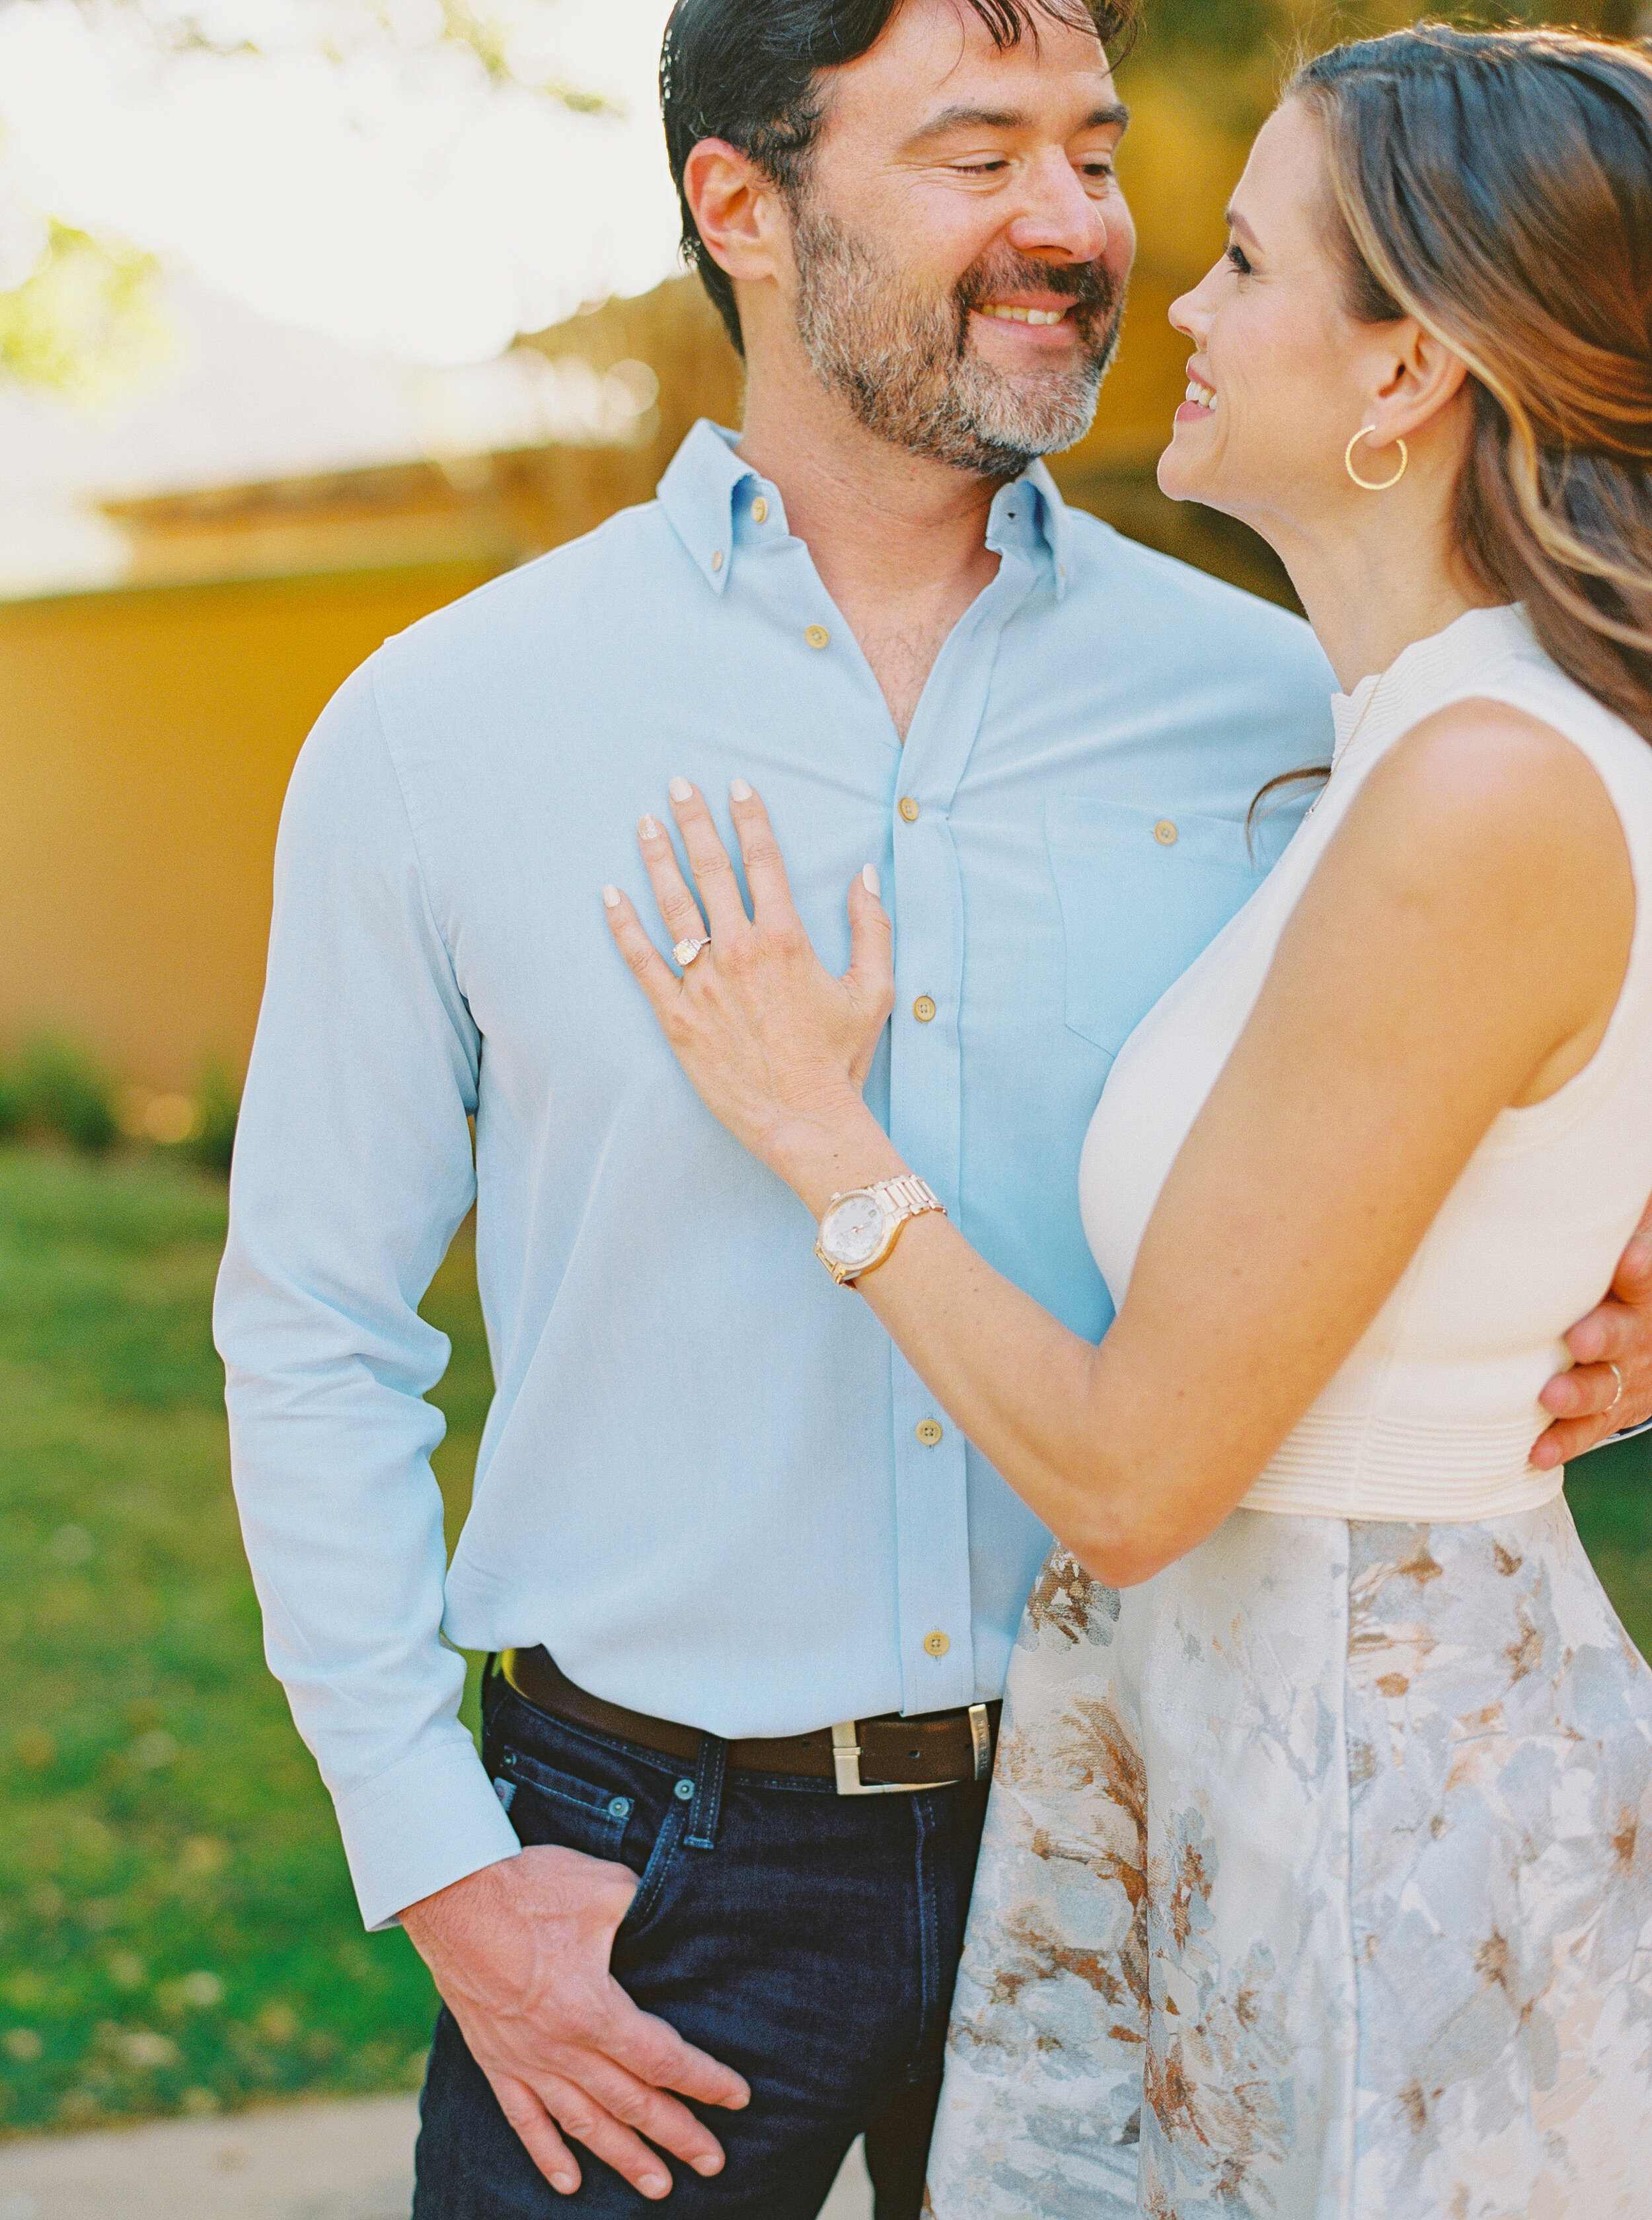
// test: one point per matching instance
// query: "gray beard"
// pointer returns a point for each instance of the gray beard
(904, 363)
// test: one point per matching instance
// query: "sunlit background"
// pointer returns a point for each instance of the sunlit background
(315, 313)
(280, 236)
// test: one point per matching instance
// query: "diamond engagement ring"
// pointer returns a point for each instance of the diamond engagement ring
(686, 950)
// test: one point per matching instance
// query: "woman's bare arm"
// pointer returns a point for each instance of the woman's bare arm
(1459, 950)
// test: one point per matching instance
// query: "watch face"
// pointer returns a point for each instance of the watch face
(852, 1229)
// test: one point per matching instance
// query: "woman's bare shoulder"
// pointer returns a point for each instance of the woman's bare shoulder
(1482, 793)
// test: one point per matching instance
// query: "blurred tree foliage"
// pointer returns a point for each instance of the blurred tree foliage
(505, 38)
(1224, 32)
(82, 319)
(80, 315)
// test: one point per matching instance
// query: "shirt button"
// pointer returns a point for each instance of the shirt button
(717, 559)
(684, 1789)
(1165, 833)
(619, 1808)
(817, 635)
(938, 1644)
(929, 1432)
(760, 510)
(923, 1009)
(908, 809)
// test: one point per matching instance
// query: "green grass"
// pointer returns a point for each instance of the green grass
(176, 1927)
(1611, 1496)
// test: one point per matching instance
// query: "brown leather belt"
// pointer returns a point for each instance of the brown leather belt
(865, 1758)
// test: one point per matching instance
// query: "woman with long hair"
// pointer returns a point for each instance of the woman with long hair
(1318, 1874)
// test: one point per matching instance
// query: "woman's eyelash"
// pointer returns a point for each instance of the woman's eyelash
(1235, 255)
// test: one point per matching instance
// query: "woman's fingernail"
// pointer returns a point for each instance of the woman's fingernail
(738, 790)
(650, 827)
(655, 2185)
(679, 789)
(610, 897)
(565, 2184)
(869, 880)
(708, 2166)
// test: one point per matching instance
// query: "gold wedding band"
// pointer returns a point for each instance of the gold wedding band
(1618, 1397)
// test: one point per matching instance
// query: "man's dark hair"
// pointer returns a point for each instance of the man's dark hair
(746, 71)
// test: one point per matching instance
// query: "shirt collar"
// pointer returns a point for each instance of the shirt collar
(708, 494)
(703, 492)
(1030, 516)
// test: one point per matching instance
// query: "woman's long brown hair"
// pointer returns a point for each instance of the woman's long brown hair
(1497, 186)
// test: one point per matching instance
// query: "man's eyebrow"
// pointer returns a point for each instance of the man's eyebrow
(965, 116)
(1235, 222)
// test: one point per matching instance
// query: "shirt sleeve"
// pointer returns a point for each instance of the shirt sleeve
(352, 1170)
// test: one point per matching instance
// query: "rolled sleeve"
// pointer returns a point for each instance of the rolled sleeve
(352, 1171)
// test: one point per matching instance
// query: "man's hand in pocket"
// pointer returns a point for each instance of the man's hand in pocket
(520, 1953)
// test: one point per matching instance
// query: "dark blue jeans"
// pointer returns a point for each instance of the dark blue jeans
(809, 1940)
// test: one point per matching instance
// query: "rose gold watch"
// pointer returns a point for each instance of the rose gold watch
(862, 1225)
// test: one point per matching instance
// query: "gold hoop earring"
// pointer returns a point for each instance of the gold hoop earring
(1374, 486)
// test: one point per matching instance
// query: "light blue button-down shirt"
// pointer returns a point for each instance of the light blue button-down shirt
(708, 1483)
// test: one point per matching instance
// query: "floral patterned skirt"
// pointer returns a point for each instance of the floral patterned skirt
(1317, 1886)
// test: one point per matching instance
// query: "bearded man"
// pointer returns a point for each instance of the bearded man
(750, 1601)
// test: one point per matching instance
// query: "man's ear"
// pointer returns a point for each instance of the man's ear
(1419, 378)
(737, 210)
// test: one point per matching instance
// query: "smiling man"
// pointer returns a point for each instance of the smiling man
(701, 1900)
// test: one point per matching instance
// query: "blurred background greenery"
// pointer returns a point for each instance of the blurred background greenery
(177, 1929)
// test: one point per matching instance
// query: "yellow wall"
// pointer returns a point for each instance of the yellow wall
(146, 739)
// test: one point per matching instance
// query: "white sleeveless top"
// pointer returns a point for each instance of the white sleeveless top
(1434, 1414)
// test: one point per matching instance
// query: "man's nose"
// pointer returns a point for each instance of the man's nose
(1060, 217)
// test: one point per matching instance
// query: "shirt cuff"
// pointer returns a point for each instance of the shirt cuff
(428, 1822)
(1629, 1434)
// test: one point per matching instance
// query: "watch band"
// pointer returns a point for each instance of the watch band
(907, 1196)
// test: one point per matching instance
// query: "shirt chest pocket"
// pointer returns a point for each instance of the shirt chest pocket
(1141, 892)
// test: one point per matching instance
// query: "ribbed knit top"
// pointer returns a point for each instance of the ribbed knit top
(1434, 1413)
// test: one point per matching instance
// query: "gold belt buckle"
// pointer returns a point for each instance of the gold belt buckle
(846, 1760)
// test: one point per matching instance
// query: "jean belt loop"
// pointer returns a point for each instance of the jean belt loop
(708, 1793)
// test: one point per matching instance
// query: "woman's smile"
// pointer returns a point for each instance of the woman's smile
(1200, 402)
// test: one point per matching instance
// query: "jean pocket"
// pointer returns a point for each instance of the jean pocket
(1141, 895)
(660, 1868)
(546, 1805)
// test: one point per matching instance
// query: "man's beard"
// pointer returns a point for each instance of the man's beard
(905, 363)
